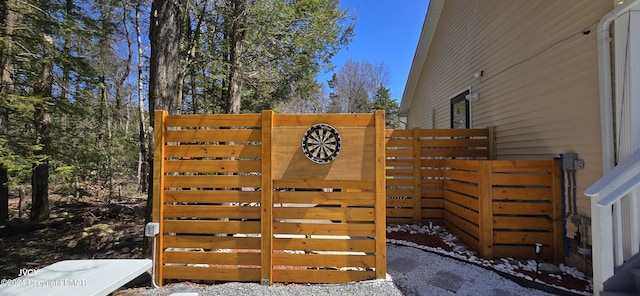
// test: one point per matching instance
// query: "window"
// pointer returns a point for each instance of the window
(460, 111)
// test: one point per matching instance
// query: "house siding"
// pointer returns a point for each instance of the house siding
(540, 82)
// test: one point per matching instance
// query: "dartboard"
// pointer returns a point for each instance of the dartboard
(321, 143)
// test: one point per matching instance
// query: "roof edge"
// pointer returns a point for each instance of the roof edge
(424, 43)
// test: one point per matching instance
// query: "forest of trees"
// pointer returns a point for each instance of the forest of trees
(80, 80)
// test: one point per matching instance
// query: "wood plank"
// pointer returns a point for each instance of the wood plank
(399, 152)
(522, 208)
(558, 211)
(399, 172)
(398, 192)
(522, 179)
(324, 244)
(521, 223)
(432, 203)
(329, 197)
(465, 237)
(470, 165)
(266, 213)
(458, 175)
(533, 194)
(398, 133)
(466, 226)
(210, 227)
(230, 258)
(462, 200)
(468, 132)
(430, 163)
(455, 143)
(462, 212)
(206, 211)
(380, 218)
(213, 136)
(475, 153)
(522, 237)
(521, 165)
(308, 183)
(321, 276)
(398, 162)
(194, 151)
(212, 196)
(214, 120)
(212, 181)
(396, 142)
(306, 120)
(463, 188)
(159, 154)
(212, 274)
(416, 175)
(328, 260)
(397, 182)
(351, 229)
(406, 203)
(342, 214)
(396, 213)
(485, 210)
(399, 220)
(213, 166)
(432, 214)
(211, 242)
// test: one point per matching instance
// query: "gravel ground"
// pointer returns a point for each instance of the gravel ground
(410, 272)
(367, 288)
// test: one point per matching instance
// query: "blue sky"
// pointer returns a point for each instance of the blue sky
(385, 32)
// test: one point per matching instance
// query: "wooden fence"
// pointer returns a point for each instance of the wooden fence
(237, 200)
(500, 208)
(414, 168)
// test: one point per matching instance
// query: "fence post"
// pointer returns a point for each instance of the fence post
(492, 142)
(158, 187)
(485, 209)
(556, 199)
(266, 201)
(380, 196)
(416, 186)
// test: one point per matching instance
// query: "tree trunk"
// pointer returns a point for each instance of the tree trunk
(42, 122)
(236, 48)
(10, 19)
(165, 31)
(164, 34)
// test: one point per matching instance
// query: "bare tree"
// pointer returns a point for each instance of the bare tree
(355, 86)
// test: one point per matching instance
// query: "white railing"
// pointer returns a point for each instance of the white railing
(606, 197)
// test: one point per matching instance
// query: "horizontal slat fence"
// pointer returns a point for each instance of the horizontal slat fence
(414, 168)
(500, 208)
(238, 201)
(211, 183)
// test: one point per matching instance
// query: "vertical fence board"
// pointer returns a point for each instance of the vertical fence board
(380, 208)
(158, 187)
(485, 200)
(558, 215)
(417, 176)
(266, 201)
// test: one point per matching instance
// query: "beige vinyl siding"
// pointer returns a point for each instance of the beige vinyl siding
(540, 83)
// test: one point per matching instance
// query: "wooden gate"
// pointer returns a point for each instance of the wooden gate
(239, 199)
